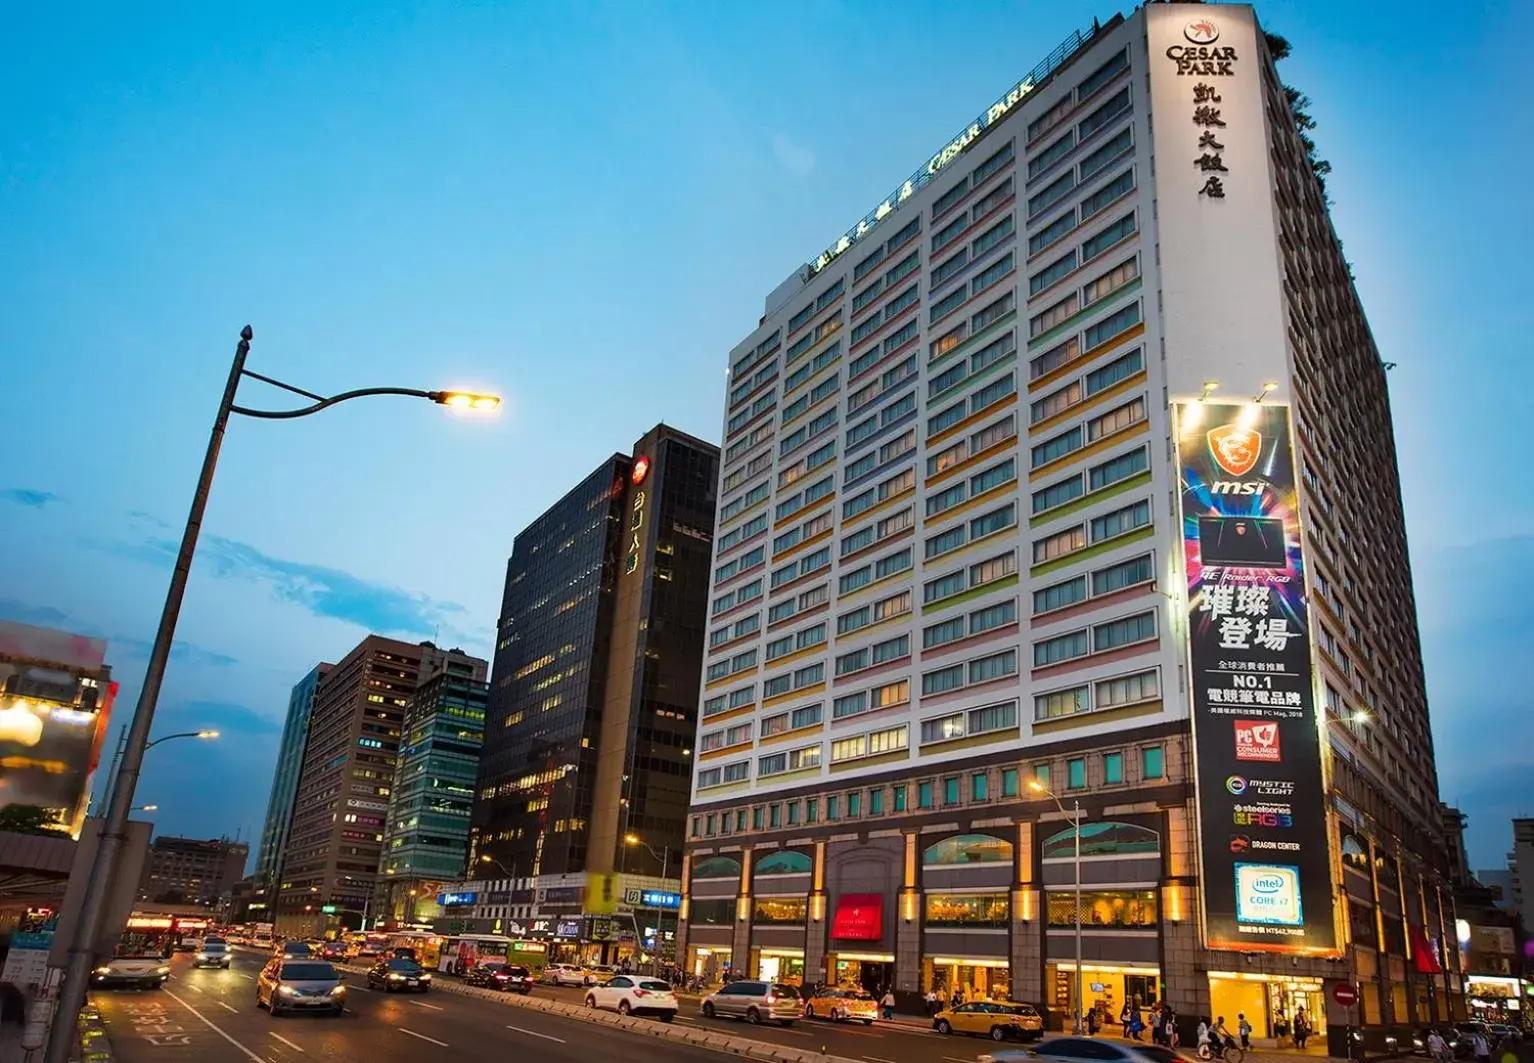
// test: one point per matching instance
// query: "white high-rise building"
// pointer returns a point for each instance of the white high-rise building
(1066, 479)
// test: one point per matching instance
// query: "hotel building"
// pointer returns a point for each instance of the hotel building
(1066, 479)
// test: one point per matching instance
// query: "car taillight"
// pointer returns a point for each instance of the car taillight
(771, 999)
(640, 993)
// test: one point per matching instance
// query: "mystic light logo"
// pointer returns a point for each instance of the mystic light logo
(1257, 740)
(1268, 894)
(1236, 449)
(1201, 32)
(1235, 784)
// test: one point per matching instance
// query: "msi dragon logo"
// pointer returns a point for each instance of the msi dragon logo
(1236, 449)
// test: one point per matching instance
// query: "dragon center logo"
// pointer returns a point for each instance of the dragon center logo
(1234, 448)
(1201, 31)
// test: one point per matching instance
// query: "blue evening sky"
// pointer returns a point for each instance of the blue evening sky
(583, 205)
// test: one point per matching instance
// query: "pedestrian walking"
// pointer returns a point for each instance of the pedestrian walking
(1437, 1047)
(1244, 1028)
(888, 1004)
(1301, 1027)
(1481, 1047)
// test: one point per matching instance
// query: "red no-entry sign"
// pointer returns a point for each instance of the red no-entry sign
(1345, 994)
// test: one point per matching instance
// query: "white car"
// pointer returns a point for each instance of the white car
(632, 994)
(566, 974)
(146, 970)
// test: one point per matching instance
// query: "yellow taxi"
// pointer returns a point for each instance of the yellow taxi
(996, 1019)
(842, 1005)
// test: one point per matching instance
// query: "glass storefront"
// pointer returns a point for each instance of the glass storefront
(780, 911)
(976, 978)
(872, 971)
(706, 963)
(1265, 1000)
(778, 965)
(968, 910)
(1105, 988)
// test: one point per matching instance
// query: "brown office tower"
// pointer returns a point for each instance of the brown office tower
(1061, 488)
(593, 699)
(331, 859)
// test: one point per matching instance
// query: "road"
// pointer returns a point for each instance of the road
(210, 1017)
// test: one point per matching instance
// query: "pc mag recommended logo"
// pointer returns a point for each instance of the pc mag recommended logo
(1201, 31)
(1257, 740)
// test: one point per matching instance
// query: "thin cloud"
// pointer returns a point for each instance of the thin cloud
(24, 613)
(180, 652)
(25, 496)
(795, 158)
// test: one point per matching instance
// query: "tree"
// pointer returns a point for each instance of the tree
(1299, 105)
(29, 819)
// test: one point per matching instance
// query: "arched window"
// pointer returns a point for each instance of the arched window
(717, 867)
(784, 862)
(1355, 851)
(966, 849)
(1103, 839)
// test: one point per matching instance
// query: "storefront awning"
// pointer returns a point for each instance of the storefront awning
(859, 917)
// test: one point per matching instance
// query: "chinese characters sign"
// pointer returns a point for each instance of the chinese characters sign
(1264, 846)
(1202, 58)
(636, 517)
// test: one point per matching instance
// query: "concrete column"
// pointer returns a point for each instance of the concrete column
(1028, 920)
(908, 919)
(1184, 962)
(740, 947)
(815, 929)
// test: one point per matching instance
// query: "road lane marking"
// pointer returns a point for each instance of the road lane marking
(423, 1004)
(226, 1007)
(194, 988)
(876, 1059)
(209, 1024)
(285, 1041)
(423, 1037)
(535, 1033)
(952, 1059)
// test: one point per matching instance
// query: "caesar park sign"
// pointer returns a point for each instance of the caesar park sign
(952, 150)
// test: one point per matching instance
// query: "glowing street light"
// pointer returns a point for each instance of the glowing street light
(1037, 786)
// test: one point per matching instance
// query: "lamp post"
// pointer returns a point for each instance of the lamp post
(104, 868)
(1038, 786)
(664, 858)
(122, 740)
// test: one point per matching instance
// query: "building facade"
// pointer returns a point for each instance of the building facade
(330, 861)
(1062, 489)
(290, 756)
(191, 870)
(426, 833)
(593, 700)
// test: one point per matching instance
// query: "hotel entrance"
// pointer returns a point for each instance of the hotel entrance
(873, 971)
(1265, 1000)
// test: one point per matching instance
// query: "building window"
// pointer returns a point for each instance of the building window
(793, 813)
(1076, 774)
(780, 911)
(951, 790)
(756, 819)
(899, 794)
(876, 802)
(775, 815)
(1153, 762)
(967, 910)
(1041, 773)
(979, 788)
(811, 810)
(1104, 908)
(854, 805)
(967, 849)
(1009, 782)
(717, 867)
(924, 795)
(833, 811)
(1113, 768)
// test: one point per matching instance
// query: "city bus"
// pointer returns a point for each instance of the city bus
(461, 952)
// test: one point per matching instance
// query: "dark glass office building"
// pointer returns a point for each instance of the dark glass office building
(593, 697)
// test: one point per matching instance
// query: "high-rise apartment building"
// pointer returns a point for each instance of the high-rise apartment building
(593, 700)
(330, 861)
(1066, 480)
(426, 833)
(191, 870)
(290, 756)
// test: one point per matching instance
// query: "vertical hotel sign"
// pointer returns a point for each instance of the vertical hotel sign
(1264, 847)
(637, 473)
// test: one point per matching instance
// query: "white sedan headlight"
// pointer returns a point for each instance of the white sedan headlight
(338, 991)
(285, 990)
(396, 978)
(426, 978)
(163, 970)
(103, 970)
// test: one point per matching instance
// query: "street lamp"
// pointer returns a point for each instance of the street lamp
(144, 808)
(122, 741)
(114, 829)
(1037, 786)
(664, 859)
(508, 872)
